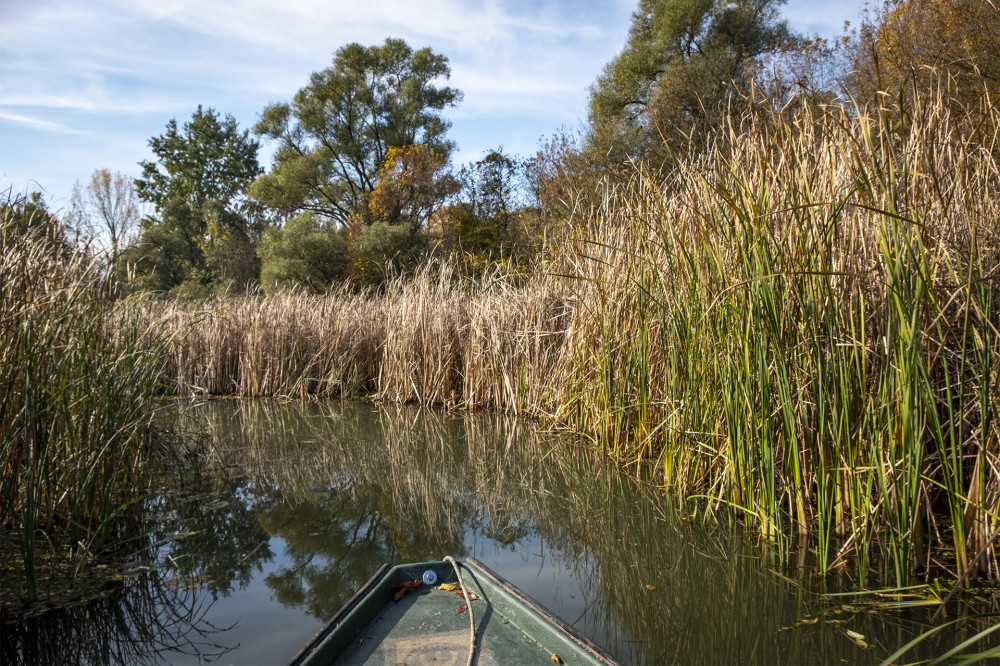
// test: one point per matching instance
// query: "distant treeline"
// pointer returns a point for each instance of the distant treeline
(362, 187)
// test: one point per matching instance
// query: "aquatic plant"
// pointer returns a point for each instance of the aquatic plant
(802, 325)
(75, 405)
(799, 324)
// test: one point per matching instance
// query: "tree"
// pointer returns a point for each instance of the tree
(302, 253)
(208, 159)
(413, 183)
(107, 207)
(562, 178)
(915, 40)
(29, 215)
(681, 62)
(201, 234)
(490, 186)
(333, 138)
(487, 218)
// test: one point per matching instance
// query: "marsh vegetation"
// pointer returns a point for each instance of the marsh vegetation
(775, 299)
(799, 326)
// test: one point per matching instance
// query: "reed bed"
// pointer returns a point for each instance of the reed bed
(433, 339)
(803, 325)
(75, 408)
(799, 324)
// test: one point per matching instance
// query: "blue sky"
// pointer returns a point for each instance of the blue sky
(84, 84)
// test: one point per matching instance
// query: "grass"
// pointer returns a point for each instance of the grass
(75, 407)
(823, 350)
(799, 326)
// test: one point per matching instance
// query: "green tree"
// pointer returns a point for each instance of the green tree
(166, 253)
(207, 159)
(302, 253)
(332, 139)
(29, 214)
(680, 64)
(201, 236)
(488, 219)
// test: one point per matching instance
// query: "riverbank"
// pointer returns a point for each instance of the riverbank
(797, 329)
(800, 325)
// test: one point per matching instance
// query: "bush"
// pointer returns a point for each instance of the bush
(301, 254)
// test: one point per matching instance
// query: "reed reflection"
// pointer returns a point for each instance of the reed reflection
(347, 487)
(150, 616)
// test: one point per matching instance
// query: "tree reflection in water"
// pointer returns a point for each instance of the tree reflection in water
(311, 499)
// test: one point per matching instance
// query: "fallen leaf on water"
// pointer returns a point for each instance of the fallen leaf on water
(651, 588)
(556, 659)
(472, 595)
(449, 587)
(859, 639)
(461, 609)
(800, 623)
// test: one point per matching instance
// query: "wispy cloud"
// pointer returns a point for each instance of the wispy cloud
(39, 124)
(113, 71)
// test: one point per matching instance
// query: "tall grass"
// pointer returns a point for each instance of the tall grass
(806, 320)
(432, 339)
(799, 324)
(75, 405)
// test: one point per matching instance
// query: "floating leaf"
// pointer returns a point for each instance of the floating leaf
(859, 639)
(449, 587)
(801, 623)
(651, 588)
(461, 609)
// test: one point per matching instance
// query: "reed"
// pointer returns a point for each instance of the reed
(433, 339)
(75, 406)
(822, 346)
(799, 325)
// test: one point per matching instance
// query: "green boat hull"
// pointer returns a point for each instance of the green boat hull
(428, 625)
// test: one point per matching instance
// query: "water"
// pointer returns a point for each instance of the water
(302, 502)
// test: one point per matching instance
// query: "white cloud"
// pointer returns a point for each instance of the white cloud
(119, 69)
(39, 124)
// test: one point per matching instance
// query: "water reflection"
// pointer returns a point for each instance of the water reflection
(301, 503)
(146, 618)
(356, 486)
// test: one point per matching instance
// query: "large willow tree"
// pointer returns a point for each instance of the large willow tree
(682, 60)
(333, 138)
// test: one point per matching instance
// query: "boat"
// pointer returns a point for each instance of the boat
(446, 612)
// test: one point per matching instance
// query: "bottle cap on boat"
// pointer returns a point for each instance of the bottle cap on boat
(430, 577)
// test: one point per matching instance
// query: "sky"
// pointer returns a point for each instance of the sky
(84, 84)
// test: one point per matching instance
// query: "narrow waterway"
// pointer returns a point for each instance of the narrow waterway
(300, 503)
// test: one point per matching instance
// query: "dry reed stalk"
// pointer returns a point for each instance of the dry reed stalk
(803, 322)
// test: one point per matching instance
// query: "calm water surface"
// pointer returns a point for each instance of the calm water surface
(303, 502)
